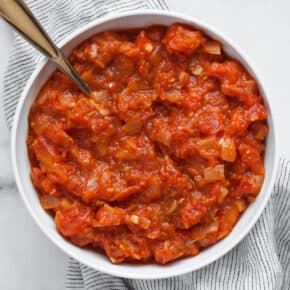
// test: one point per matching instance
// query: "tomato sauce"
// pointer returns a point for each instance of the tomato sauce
(162, 158)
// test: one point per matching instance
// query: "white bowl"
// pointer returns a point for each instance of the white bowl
(21, 165)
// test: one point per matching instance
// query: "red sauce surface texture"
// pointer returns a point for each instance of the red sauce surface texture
(163, 157)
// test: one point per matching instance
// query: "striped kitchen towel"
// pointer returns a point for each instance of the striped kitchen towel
(260, 261)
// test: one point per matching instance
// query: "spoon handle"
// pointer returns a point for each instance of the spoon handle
(18, 15)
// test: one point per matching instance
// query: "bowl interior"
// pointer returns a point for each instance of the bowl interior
(46, 223)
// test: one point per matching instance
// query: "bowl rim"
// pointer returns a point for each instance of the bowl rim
(138, 274)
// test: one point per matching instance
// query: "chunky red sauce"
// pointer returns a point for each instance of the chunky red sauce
(163, 157)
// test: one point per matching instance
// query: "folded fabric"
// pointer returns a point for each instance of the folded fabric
(260, 261)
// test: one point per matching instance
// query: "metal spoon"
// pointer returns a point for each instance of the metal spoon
(18, 15)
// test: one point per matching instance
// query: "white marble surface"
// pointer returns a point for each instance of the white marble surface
(260, 27)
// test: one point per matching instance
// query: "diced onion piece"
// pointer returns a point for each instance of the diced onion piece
(67, 100)
(249, 184)
(212, 214)
(241, 204)
(99, 203)
(199, 180)
(131, 144)
(199, 232)
(183, 76)
(98, 100)
(128, 150)
(139, 221)
(156, 55)
(144, 223)
(251, 86)
(92, 183)
(134, 219)
(99, 96)
(82, 156)
(182, 39)
(197, 70)
(65, 204)
(94, 50)
(164, 137)
(210, 228)
(111, 85)
(172, 96)
(102, 109)
(48, 201)
(104, 112)
(132, 126)
(228, 217)
(172, 207)
(257, 112)
(223, 192)
(251, 199)
(212, 47)
(124, 154)
(48, 186)
(227, 149)
(212, 174)
(148, 47)
(81, 240)
(137, 84)
(87, 75)
(192, 79)
(261, 132)
(43, 96)
(110, 216)
(252, 184)
(154, 191)
(207, 147)
(257, 182)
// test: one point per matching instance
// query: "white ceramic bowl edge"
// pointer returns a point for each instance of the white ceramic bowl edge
(21, 164)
